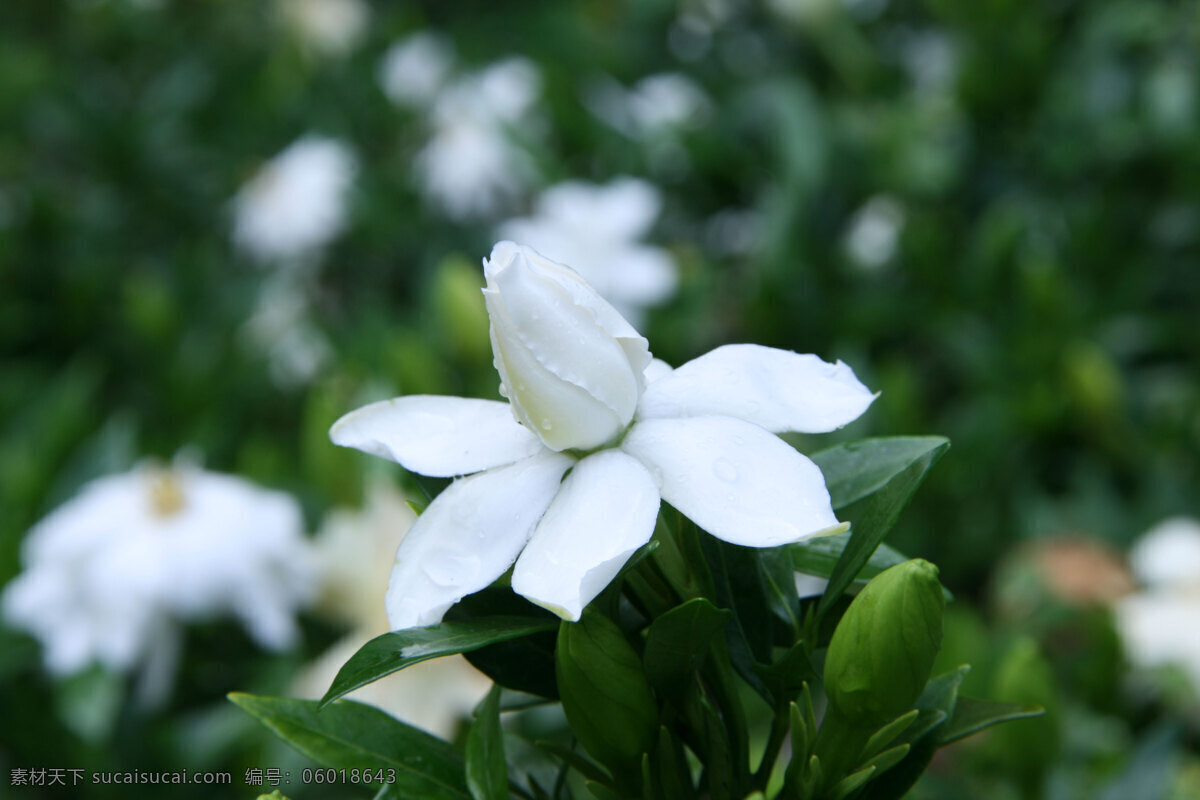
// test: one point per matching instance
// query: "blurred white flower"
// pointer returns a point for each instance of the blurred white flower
(110, 574)
(281, 328)
(586, 397)
(1160, 626)
(296, 203)
(657, 104)
(597, 230)
(1168, 555)
(472, 166)
(327, 26)
(354, 552)
(415, 69)
(873, 233)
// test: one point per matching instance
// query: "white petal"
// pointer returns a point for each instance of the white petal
(470, 534)
(734, 479)
(605, 511)
(437, 436)
(657, 368)
(775, 389)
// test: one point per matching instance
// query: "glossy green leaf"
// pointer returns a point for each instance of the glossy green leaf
(818, 556)
(677, 642)
(605, 695)
(394, 651)
(524, 664)
(487, 770)
(854, 470)
(349, 735)
(738, 580)
(872, 481)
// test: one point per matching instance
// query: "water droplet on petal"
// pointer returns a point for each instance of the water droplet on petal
(547, 424)
(725, 470)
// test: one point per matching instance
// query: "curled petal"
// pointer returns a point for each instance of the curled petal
(437, 436)
(734, 479)
(570, 364)
(775, 389)
(605, 511)
(470, 534)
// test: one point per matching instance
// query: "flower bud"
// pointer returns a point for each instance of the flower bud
(569, 363)
(883, 649)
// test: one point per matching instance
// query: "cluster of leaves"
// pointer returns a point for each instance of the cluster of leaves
(656, 679)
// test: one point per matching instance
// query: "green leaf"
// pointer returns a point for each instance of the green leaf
(349, 735)
(394, 651)
(884, 736)
(487, 771)
(677, 642)
(854, 470)
(524, 664)
(972, 715)
(819, 555)
(873, 481)
(605, 695)
(849, 784)
(580, 763)
(737, 576)
(935, 705)
(779, 584)
(785, 679)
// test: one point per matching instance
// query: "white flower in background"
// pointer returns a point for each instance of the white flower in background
(472, 166)
(331, 27)
(655, 105)
(597, 230)
(282, 329)
(873, 233)
(110, 574)
(354, 551)
(1160, 625)
(296, 203)
(585, 396)
(415, 69)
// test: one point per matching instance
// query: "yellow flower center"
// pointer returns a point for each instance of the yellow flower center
(166, 493)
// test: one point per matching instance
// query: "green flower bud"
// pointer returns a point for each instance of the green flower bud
(883, 649)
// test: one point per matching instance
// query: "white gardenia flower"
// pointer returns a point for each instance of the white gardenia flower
(332, 27)
(472, 167)
(630, 430)
(1158, 624)
(414, 69)
(597, 230)
(111, 573)
(295, 204)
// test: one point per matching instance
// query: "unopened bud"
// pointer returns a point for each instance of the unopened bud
(883, 649)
